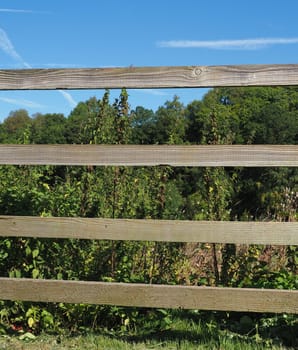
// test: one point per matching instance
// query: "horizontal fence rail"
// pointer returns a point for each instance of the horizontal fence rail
(149, 77)
(146, 295)
(237, 232)
(151, 155)
(142, 295)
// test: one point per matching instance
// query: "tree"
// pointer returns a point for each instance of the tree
(266, 114)
(170, 123)
(224, 116)
(14, 126)
(75, 123)
(143, 125)
(213, 112)
(48, 128)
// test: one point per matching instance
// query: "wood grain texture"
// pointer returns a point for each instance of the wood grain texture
(142, 295)
(276, 233)
(149, 77)
(151, 155)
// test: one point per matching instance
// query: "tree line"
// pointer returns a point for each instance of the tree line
(254, 115)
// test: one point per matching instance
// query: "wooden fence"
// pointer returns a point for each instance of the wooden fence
(146, 295)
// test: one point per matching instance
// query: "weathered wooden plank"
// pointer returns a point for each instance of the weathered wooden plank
(150, 155)
(275, 233)
(149, 77)
(142, 295)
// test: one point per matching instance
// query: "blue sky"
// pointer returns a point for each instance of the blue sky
(114, 33)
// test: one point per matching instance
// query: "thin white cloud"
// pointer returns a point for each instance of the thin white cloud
(68, 98)
(56, 65)
(16, 11)
(7, 46)
(152, 92)
(242, 44)
(21, 102)
(21, 11)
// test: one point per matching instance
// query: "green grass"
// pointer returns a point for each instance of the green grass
(98, 342)
(93, 342)
(183, 334)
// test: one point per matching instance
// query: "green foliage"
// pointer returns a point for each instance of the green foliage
(224, 116)
(170, 123)
(48, 129)
(14, 126)
(189, 331)
(166, 126)
(144, 126)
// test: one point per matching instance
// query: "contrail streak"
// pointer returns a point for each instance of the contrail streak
(21, 102)
(7, 46)
(68, 98)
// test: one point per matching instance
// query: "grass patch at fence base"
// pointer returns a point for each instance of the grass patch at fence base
(188, 331)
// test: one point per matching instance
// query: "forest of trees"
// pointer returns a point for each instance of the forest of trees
(224, 116)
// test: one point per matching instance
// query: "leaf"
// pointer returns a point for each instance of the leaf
(35, 273)
(30, 322)
(27, 336)
(28, 251)
(15, 273)
(35, 253)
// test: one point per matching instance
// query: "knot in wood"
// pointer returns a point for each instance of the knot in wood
(196, 72)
